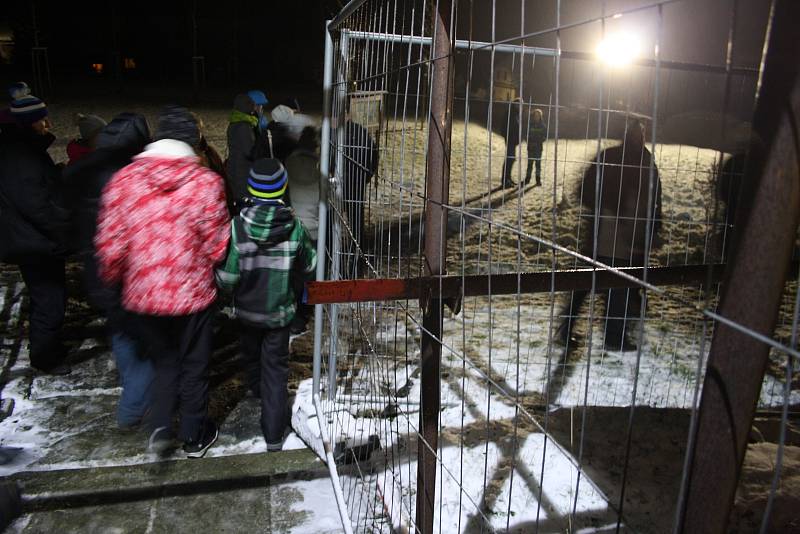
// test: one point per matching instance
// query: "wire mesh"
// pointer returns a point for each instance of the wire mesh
(560, 411)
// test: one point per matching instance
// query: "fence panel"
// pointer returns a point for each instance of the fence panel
(593, 171)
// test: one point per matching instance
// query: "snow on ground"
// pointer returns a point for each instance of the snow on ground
(496, 351)
(478, 415)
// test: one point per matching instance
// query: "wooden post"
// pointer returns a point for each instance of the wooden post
(437, 194)
(752, 286)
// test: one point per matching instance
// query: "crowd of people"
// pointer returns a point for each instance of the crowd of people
(165, 230)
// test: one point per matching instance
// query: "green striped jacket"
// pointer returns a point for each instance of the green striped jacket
(269, 246)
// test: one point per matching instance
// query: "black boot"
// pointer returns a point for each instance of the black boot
(619, 344)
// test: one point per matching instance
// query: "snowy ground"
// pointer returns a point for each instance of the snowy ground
(69, 423)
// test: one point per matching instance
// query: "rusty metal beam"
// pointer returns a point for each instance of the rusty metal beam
(437, 194)
(448, 287)
(752, 287)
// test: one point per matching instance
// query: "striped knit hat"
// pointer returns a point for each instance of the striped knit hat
(28, 109)
(18, 90)
(267, 180)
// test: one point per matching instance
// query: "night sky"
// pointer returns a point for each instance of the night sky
(241, 41)
(276, 44)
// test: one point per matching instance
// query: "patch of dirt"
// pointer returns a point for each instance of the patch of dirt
(754, 488)
(657, 450)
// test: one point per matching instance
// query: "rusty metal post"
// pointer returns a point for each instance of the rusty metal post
(752, 286)
(437, 193)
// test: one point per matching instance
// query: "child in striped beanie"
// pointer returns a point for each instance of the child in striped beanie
(28, 109)
(269, 247)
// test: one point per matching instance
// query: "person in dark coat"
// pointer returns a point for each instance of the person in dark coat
(512, 140)
(34, 227)
(242, 132)
(116, 145)
(624, 188)
(360, 154)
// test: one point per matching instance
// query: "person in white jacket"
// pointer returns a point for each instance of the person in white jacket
(305, 190)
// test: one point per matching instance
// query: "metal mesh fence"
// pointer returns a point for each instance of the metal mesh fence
(592, 168)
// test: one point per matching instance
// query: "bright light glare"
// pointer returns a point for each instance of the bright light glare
(618, 50)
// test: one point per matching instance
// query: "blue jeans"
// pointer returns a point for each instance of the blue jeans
(136, 375)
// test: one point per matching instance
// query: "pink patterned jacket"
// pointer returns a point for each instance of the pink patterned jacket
(162, 227)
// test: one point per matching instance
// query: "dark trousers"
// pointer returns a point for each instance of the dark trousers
(622, 308)
(354, 198)
(266, 362)
(538, 161)
(47, 292)
(180, 347)
(511, 157)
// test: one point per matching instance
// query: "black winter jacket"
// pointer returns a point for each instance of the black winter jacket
(84, 180)
(33, 223)
(116, 144)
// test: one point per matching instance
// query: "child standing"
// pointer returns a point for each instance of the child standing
(536, 136)
(269, 246)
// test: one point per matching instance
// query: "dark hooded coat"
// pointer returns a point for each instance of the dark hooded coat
(116, 144)
(625, 189)
(33, 221)
(241, 135)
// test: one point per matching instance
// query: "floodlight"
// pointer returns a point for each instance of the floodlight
(618, 49)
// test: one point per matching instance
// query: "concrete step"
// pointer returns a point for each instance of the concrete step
(66, 488)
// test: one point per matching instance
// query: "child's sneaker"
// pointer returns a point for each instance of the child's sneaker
(197, 449)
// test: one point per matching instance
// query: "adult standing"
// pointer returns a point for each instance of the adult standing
(360, 154)
(302, 165)
(241, 133)
(116, 144)
(622, 197)
(512, 141)
(163, 226)
(34, 227)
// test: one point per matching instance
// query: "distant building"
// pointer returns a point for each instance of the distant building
(6, 44)
(505, 90)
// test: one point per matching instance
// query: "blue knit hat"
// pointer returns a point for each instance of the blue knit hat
(28, 109)
(267, 180)
(258, 97)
